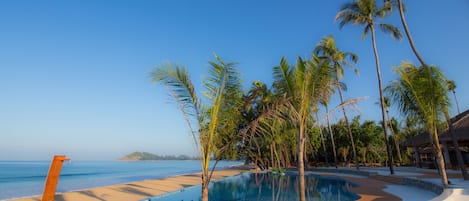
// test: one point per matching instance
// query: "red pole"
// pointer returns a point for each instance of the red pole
(53, 177)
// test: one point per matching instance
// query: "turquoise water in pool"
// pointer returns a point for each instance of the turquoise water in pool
(267, 186)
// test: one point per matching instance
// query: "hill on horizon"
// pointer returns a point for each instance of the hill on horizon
(143, 156)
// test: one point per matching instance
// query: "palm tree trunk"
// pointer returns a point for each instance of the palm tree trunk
(322, 140)
(383, 114)
(456, 147)
(301, 165)
(407, 32)
(332, 137)
(396, 138)
(276, 155)
(272, 155)
(456, 100)
(439, 157)
(354, 151)
(205, 183)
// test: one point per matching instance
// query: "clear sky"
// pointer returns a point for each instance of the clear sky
(74, 75)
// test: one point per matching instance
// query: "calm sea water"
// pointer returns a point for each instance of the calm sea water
(26, 178)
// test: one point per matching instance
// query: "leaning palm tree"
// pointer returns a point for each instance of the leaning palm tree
(452, 88)
(400, 6)
(203, 120)
(327, 49)
(421, 93)
(451, 85)
(302, 84)
(365, 13)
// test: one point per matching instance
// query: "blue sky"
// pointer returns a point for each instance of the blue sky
(74, 75)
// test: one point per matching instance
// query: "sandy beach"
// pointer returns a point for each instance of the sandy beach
(136, 190)
(369, 189)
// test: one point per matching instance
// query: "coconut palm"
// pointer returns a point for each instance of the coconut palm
(421, 94)
(365, 13)
(400, 6)
(452, 88)
(203, 120)
(327, 49)
(302, 84)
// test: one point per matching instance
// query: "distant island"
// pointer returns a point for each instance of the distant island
(145, 156)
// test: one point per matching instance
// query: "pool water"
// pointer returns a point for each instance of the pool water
(267, 186)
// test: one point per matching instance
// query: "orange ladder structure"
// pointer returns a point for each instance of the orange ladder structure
(53, 177)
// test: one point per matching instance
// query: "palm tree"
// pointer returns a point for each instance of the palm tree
(327, 49)
(452, 88)
(204, 121)
(302, 84)
(421, 94)
(400, 6)
(365, 13)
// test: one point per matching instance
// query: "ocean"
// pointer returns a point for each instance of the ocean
(27, 178)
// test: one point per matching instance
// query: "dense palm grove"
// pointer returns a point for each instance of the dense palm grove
(290, 122)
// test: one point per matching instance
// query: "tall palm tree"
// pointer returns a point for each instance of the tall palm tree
(327, 49)
(302, 84)
(452, 88)
(365, 13)
(400, 6)
(203, 120)
(421, 94)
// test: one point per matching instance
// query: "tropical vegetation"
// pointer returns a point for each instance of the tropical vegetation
(288, 124)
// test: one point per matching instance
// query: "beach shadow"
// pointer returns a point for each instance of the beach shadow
(193, 175)
(91, 194)
(59, 198)
(139, 186)
(134, 191)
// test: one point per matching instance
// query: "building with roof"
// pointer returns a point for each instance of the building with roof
(422, 148)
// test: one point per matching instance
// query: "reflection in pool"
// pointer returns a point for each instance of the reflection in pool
(267, 186)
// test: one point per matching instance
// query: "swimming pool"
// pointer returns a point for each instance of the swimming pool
(267, 186)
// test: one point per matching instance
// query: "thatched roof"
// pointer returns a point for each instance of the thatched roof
(461, 132)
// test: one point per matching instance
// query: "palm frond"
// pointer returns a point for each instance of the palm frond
(365, 31)
(390, 29)
(283, 79)
(383, 11)
(420, 92)
(177, 80)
